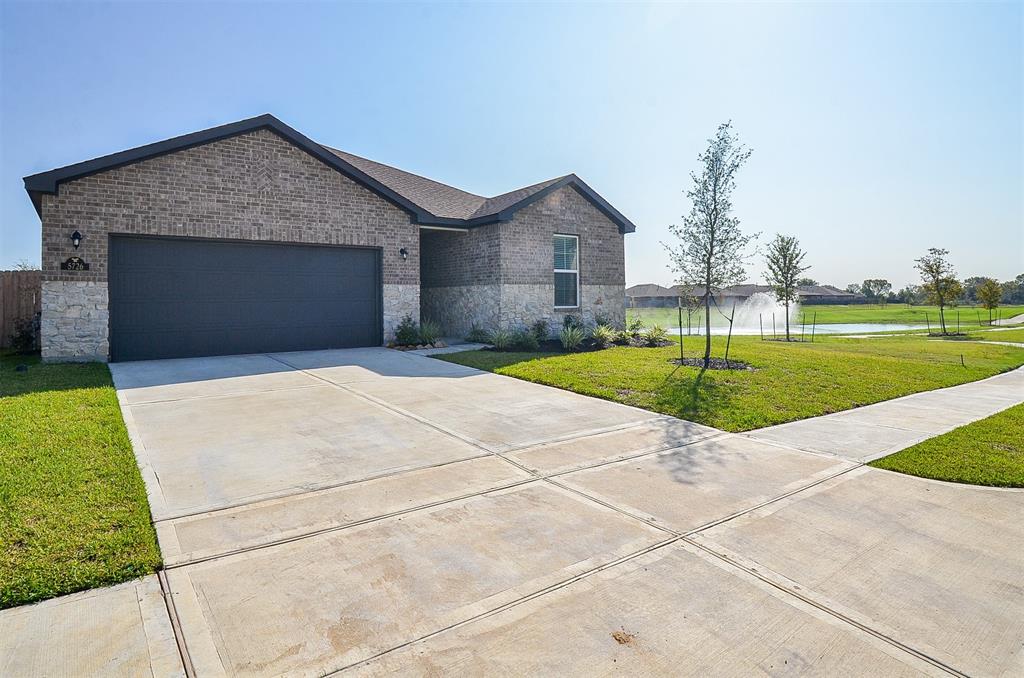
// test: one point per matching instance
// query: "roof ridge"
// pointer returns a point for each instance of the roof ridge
(427, 201)
(399, 169)
(498, 202)
(539, 184)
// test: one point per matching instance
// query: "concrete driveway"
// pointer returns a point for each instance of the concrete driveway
(379, 512)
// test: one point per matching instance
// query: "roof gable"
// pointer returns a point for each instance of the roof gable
(428, 202)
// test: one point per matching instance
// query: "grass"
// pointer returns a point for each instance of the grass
(790, 381)
(1002, 335)
(858, 313)
(73, 509)
(986, 452)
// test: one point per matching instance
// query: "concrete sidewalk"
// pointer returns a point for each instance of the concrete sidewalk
(379, 512)
(874, 431)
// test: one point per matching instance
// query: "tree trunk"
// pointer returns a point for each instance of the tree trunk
(787, 321)
(942, 317)
(707, 327)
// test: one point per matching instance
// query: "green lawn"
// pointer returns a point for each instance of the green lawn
(73, 509)
(791, 381)
(860, 313)
(1002, 335)
(987, 452)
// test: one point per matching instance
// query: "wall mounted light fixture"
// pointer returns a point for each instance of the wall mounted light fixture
(404, 252)
(76, 239)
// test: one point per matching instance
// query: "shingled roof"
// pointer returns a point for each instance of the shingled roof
(427, 201)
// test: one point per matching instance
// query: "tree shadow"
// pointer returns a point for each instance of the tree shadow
(694, 397)
(700, 462)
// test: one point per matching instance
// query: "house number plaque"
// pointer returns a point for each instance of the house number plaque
(74, 264)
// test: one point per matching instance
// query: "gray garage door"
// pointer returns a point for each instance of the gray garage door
(174, 298)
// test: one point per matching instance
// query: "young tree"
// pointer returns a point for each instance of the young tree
(783, 260)
(989, 293)
(940, 283)
(971, 288)
(712, 249)
(876, 288)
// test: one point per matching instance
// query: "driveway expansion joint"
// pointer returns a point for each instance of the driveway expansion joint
(510, 454)
(825, 608)
(172, 613)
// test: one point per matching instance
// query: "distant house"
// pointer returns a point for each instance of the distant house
(827, 294)
(737, 294)
(649, 295)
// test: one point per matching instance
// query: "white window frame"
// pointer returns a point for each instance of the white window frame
(569, 270)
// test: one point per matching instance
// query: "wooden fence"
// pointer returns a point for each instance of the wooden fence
(19, 300)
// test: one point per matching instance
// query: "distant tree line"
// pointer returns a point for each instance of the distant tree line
(974, 291)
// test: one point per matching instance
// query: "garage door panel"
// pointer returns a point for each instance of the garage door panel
(188, 297)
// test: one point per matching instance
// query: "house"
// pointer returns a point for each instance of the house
(251, 237)
(737, 294)
(649, 295)
(827, 294)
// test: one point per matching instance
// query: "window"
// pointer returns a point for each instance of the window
(567, 271)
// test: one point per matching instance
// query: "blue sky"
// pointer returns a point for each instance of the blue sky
(878, 130)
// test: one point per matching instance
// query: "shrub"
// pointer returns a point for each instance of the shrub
(634, 328)
(429, 331)
(524, 340)
(572, 321)
(602, 319)
(23, 338)
(571, 337)
(501, 340)
(656, 335)
(604, 336)
(407, 334)
(478, 335)
(539, 329)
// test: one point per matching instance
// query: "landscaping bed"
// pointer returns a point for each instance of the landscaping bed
(712, 364)
(73, 509)
(789, 381)
(986, 452)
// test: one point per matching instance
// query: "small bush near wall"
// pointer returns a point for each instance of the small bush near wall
(478, 335)
(430, 332)
(572, 321)
(656, 336)
(571, 337)
(524, 341)
(540, 329)
(407, 333)
(25, 337)
(501, 340)
(604, 336)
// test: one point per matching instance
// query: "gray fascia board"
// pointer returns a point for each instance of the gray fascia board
(49, 182)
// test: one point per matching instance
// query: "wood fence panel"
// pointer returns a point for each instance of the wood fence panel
(20, 299)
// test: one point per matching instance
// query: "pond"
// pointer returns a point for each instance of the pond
(794, 328)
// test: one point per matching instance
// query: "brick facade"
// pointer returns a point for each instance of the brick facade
(258, 186)
(254, 186)
(502, 275)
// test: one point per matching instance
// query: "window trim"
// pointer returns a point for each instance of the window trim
(568, 270)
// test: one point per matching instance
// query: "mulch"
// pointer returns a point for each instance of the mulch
(715, 364)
